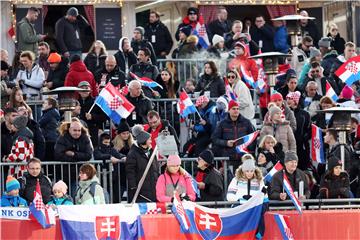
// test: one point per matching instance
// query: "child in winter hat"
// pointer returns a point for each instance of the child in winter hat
(11, 197)
(60, 197)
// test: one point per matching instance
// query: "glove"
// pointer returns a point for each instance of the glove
(184, 197)
(264, 190)
(247, 197)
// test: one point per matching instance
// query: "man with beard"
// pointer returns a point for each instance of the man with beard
(300, 54)
(43, 52)
(139, 42)
(58, 70)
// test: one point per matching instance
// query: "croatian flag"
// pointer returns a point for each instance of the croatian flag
(317, 144)
(115, 105)
(185, 105)
(261, 81)
(291, 194)
(145, 81)
(198, 222)
(247, 76)
(229, 92)
(283, 224)
(278, 167)
(200, 32)
(152, 208)
(247, 140)
(330, 92)
(349, 72)
(193, 184)
(110, 221)
(45, 215)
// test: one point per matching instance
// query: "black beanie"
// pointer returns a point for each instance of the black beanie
(192, 10)
(4, 65)
(207, 156)
(75, 58)
(123, 126)
(186, 30)
(333, 161)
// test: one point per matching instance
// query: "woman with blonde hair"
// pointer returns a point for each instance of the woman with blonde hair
(269, 153)
(95, 59)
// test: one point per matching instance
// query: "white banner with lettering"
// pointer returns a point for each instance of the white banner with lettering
(20, 213)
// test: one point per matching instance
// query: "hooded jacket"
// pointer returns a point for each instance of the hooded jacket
(124, 59)
(144, 43)
(57, 76)
(298, 59)
(327, 61)
(332, 186)
(12, 201)
(49, 122)
(78, 73)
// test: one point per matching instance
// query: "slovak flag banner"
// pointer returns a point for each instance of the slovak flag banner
(247, 77)
(349, 72)
(115, 105)
(290, 192)
(110, 221)
(145, 81)
(185, 105)
(229, 92)
(200, 32)
(278, 167)
(200, 222)
(330, 92)
(45, 215)
(283, 224)
(247, 140)
(317, 144)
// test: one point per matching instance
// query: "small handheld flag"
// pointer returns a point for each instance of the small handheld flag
(349, 72)
(200, 32)
(229, 92)
(248, 139)
(330, 92)
(317, 144)
(179, 211)
(247, 76)
(283, 224)
(185, 105)
(278, 167)
(290, 192)
(147, 82)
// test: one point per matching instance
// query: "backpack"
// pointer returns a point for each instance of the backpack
(92, 192)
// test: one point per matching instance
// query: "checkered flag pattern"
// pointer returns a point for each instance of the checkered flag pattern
(115, 103)
(352, 67)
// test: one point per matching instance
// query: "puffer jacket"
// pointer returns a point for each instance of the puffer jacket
(81, 147)
(33, 80)
(282, 133)
(214, 184)
(168, 182)
(65, 200)
(12, 201)
(94, 62)
(124, 59)
(212, 83)
(49, 122)
(83, 195)
(332, 186)
(28, 185)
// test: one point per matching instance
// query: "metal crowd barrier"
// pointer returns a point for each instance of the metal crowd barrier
(69, 172)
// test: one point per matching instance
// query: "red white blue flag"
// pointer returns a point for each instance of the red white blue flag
(44, 215)
(198, 222)
(284, 226)
(145, 81)
(261, 81)
(317, 144)
(290, 192)
(330, 92)
(200, 32)
(278, 167)
(349, 72)
(115, 105)
(185, 105)
(229, 91)
(152, 208)
(247, 140)
(247, 77)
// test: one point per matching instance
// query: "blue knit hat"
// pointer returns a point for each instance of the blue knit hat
(12, 184)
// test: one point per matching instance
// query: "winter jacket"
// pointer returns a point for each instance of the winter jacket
(311, 30)
(164, 91)
(311, 105)
(240, 187)
(168, 182)
(335, 151)
(83, 195)
(219, 28)
(322, 84)
(205, 114)
(163, 40)
(289, 116)
(68, 34)
(332, 186)
(12, 201)
(298, 59)
(144, 43)
(278, 154)
(81, 147)
(215, 117)
(243, 95)
(335, 66)
(57, 76)
(327, 62)
(282, 133)
(231, 130)
(186, 22)
(136, 162)
(230, 42)
(27, 37)
(65, 200)
(281, 40)
(277, 183)
(28, 186)
(212, 83)
(145, 70)
(104, 152)
(32, 81)
(78, 73)
(214, 185)
(22, 150)
(116, 76)
(248, 64)
(337, 43)
(94, 62)
(98, 117)
(142, 106)
(38, 139)
(265, 34)
(49, 122)
(303, 74)
(124, 59)
(155, 133)
(6, 140)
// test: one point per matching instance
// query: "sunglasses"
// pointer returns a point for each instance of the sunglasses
(231, 76)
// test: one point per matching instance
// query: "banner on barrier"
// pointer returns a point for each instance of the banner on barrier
(19, 213)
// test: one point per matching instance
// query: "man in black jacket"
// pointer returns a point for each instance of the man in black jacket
(67, 31)
(6, 131)
(29, 180)
(125, 56)
(159, 36)
(308, 28)
(221, 25)
(139, 42)
(58, 70)
(263, 32)
(110, 72)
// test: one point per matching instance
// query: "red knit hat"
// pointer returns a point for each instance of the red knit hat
(275, 97)
(233, 103)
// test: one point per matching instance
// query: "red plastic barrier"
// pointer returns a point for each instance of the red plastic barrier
(322, 224)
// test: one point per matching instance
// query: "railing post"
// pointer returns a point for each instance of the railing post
(225, 175)
(110, 181)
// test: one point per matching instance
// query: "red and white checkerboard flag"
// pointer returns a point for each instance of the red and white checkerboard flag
(45, 215)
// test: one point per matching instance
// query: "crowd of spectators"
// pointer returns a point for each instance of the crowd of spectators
(224, 101)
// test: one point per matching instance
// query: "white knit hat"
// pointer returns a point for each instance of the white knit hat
(216, 39)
